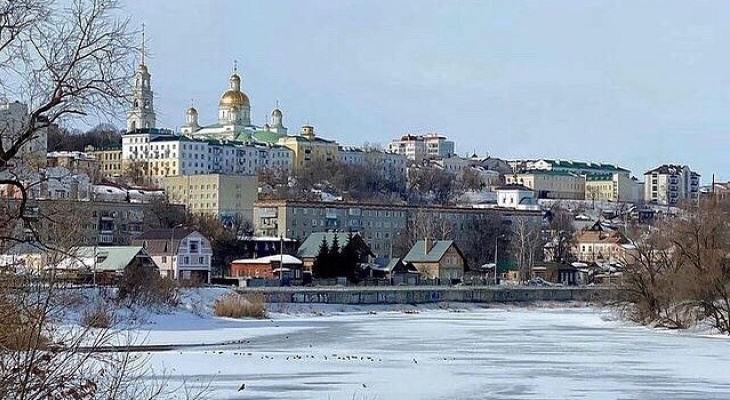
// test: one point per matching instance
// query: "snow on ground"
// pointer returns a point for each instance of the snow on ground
(500, 353)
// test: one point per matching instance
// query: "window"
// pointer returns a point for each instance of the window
(201, 260)
(164, 259)
(186, 260)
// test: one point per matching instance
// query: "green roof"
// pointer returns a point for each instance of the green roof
(599, 177)
(108, 258)
(264, 136)
(419, 253)
(310, 247)
(584, 165)
(546, 172)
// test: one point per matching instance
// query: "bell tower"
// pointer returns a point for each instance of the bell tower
(141, 114)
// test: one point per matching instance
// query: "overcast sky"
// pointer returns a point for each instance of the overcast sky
(637, 83)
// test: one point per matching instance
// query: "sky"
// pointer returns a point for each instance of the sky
(636, 83)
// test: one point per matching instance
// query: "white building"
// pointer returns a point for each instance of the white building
(515, 196)
(351, 155)
(569, 166)
(671, 185)
(419, 147)
(181, 254)
(453, 164)
(234, 119)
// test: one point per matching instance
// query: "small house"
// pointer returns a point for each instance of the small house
(394, 267)
(270, 267)
(309, 249)
(437, 259)
(179, 253)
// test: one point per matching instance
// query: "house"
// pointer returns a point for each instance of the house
(107, 261)
(394, 266)
(309, 249)
(600, 243)
(565, 274)
(437, 259)
(179, 253)
(514, 195)
(270, 267)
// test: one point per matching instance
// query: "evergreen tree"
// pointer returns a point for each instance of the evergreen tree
(322, 267)
(335, 257)
(350, 258)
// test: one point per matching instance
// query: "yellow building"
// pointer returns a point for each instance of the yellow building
(307, 148)
(224, 196)
(551, 184)
(109, 160)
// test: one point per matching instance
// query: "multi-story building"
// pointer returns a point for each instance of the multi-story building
(160, 154)
(307, 148)
(453, 164)
(351, 155)
(377, 223)
(596, 244)
(393, 165)
(613, 187)
(671, 184)
(551, 184)
(14, 121)
(76, 162)
(88, 222)
(419, 147)
(225, 196)
(572, 167)
(109, 160)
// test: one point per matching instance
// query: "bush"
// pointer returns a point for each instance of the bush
(143, 285)
(96, 317)
(234, 305)
(20, 319)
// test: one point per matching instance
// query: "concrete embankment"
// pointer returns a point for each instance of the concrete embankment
(432, 294)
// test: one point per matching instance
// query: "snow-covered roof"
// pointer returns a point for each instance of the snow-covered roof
(287, 259)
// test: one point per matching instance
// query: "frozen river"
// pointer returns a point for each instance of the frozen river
(479, 354)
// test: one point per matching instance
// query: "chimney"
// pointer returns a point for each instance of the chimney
(426, 247)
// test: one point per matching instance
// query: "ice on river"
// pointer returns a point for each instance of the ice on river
(479, 354)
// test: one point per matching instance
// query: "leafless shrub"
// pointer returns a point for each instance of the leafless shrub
(97, 316)
(234, 305)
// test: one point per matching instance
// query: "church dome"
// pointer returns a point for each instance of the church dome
(191, 111)
(276, 113)
(232, 97)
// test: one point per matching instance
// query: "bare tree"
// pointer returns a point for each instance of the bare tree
(63, 63)
(561, 233)
(526, 243)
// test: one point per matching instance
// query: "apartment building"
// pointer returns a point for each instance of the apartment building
(613, 187)
(567, 166)
(103, 223)
(307, 148)
(670, 185)
(224, 196)
(14, 120)
(75, 162)
(419, 147)
(377, 223)
(160, 154)
(108, 159)
(551, 184)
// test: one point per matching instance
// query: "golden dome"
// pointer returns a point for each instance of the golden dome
(232, 97)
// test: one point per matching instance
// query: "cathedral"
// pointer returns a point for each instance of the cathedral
(234, 113)
(234, 119)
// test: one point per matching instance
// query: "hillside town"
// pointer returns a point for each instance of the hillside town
(225, 200)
